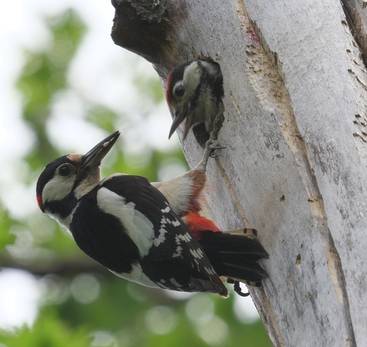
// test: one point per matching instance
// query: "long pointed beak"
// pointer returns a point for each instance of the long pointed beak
(179, 117)
(93, 158)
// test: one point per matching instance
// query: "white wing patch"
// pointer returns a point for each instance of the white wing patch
(183, 237)
(210, 270)
(165, 210)
(179, 240)
(139, 228)
(197, 253)
(166, 219)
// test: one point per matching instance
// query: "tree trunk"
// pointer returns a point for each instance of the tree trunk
(295, 131)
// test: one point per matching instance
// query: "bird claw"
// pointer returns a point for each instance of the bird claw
(210, 151)
(237, 287)
(247, 232)
(213, 147)
(250, 233)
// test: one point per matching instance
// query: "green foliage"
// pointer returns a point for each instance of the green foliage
(43, 76)
(103, 117)
(47, 331)
(5, 225)
(102, 310)
(151, 88)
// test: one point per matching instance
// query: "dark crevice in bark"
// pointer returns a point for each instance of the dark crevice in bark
(334, 257)
(357, 22)
(150, 11)
(142, 27)
(268, 315)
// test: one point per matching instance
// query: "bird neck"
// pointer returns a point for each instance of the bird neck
(62, 210)
(87, 184)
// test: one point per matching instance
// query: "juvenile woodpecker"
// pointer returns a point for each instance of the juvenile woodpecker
(129, 226)
(194, 93)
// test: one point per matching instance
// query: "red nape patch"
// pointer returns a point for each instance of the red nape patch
(39, 200)
(198, 224)
(168, 87)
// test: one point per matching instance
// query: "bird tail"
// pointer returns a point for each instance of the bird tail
(235, 256)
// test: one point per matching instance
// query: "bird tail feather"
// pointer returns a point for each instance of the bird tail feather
(235, 256)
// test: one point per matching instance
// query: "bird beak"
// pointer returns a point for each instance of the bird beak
(92, 159)
(179, 117)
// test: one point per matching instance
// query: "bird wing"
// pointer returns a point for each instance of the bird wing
(175, 260)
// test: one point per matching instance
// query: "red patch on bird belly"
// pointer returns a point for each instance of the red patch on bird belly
(198, 224)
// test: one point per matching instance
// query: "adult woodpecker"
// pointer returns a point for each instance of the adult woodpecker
(129, 226)
(194, 93)
(237, 252)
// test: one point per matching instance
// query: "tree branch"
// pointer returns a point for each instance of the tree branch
(64, 267)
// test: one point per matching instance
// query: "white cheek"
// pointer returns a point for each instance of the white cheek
(57, 188)
(192, 77)
(211, 68)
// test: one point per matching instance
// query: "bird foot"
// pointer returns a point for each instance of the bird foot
(237, 287)
(214, 147)
(248, 232)
(210, 151)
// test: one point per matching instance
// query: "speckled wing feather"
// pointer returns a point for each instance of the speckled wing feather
(175, 261)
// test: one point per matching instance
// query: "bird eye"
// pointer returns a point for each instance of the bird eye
(178, 90)
(65, 170)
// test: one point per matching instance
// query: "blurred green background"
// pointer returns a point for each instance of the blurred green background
(64, 86)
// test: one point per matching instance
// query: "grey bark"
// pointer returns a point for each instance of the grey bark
(296, 135)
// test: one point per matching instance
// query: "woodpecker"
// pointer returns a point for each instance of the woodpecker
(194, 93)
(130, 227)
(236, 252)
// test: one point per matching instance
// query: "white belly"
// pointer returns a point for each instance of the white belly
(137, 275)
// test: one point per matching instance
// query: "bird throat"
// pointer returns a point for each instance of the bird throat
(62, 209)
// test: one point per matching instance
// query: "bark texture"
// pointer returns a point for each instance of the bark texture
(295, 128)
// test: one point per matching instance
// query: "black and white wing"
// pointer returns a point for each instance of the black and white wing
(171, 258)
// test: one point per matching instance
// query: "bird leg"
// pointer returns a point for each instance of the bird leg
(210, 151)
(217, 122)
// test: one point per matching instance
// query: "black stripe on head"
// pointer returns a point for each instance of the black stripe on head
(49, 172)
(62, 207)
(175, 76)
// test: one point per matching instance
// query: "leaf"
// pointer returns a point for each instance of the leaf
(5, 225)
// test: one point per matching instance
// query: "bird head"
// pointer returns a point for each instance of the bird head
(71, 176)
(182, 88)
